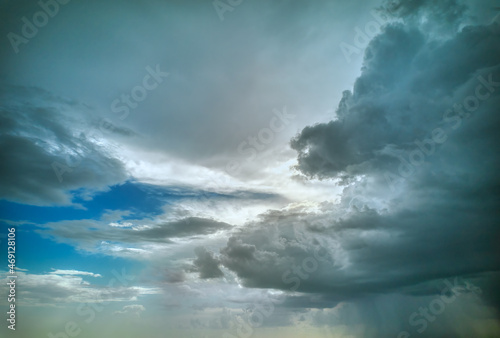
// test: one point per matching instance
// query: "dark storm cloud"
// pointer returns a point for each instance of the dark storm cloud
(442, 220)
(47, 151)
(406, 86)
(207, 264)
(364, 252)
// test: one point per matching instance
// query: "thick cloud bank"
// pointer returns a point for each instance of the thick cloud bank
(415, 145)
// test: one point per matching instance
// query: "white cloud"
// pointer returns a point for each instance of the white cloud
(74, 273)
(134, 310)
(67, 286)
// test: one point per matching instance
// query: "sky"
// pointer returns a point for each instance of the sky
(237, 168)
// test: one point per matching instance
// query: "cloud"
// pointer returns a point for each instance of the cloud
(382, 266)
(63, 288)
(401, 96)
(139, 238)
(436, 222)
(74, 273)
(174, 276)
(134, 310)
(47, 149)
(206, 264)
(363, 251)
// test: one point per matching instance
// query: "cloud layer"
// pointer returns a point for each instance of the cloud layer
(50, 147)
